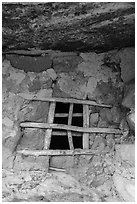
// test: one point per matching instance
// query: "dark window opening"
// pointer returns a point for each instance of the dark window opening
(78, 108)
(77, 142)
(59, 120)
(77, 121)
(62, 107)
(59, 142)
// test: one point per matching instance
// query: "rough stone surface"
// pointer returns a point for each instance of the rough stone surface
(94, 117)
(127, 152)
(125, 187)
(131, 120)
(124, 60)
(70, 87)
(129, 95)
(127, 64)
(52, 74)
(30, 64)
(68, 26)
(90, 171)
(66, 64)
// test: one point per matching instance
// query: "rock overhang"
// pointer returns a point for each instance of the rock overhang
(68, 26)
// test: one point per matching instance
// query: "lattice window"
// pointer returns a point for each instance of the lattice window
(66, 126)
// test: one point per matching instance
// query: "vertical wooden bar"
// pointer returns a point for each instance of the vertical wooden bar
(69, 123)
(85, 124)
(50, 120)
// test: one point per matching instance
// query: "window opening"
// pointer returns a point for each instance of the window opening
(59, 139)
(62, 107)
(59, 142)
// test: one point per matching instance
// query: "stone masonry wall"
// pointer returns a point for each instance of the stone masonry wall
(91, 76)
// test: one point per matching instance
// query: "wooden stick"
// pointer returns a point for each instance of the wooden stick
(65, 100)
(56, 169)
(50, 120)
(61, 115)
(57, 152)
(69, 123)
(85, 124)
(64, 133)
(67, 127)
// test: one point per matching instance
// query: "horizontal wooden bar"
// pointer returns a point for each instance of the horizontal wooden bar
(57, 152)
(65, 100)
(61, 115)
(64, 133)
(56, 169)
(69, 127)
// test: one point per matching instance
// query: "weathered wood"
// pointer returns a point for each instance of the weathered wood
(50, 120)
(69, 123)
(57, 152)
(64, 133)
(85, 124)
(56, 169)
(69, 127)
(61, 115)
(66, 100)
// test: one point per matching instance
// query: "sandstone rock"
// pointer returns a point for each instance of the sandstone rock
(32, 75)
(52, 74)
(24, 86)
(35, 86)
(110, 141)
(99, 143)
(56, 54)
(62, 162)
(30, 64)
(70, 87)
(32, 139)
(124, 60)
(116, 115)
(66, 64)
(105, 114)
(91, 139)
(99, 180)
(91, 65)
(11, 106)
(87, 69)
(44, 93)
(127, 64)
(107, 93)
(103, 123)
(35, 111)
(31, 163)
(10, 85)
(7, 158)
(125, 187)
(17, 75)
(43, 76)
(57, 92)
(91, 86)
(124, 128)
(94, 117)
(6, 67)
(126, 151)
(129, 98)
(7, 122)
(68, 26)
(106, 188)
(131, 120)
(27, 96)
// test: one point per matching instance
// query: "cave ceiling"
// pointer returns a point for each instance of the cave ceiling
(68, 26)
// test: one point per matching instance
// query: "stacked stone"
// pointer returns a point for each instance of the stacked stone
(55, 74)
